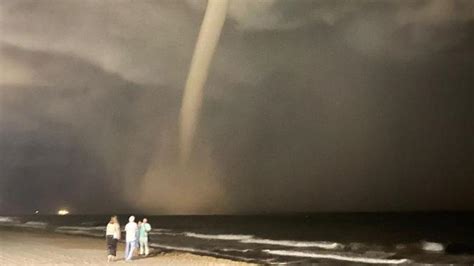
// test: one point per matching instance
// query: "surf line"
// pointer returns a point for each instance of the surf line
(289, 243)
(334, 257)
(200, 252)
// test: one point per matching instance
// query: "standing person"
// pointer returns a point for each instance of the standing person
(112, 235)
(138, 235)
(130, 237)
(143, 237)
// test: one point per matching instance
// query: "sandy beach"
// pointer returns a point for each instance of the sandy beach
(28, 248)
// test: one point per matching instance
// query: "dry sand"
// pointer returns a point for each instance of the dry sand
(27, 248)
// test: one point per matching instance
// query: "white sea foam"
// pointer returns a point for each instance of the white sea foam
(164, 233)
(79, 232)
(102, 227)
(185, 249)
(432, 246)
(160, 230)
(198, 251)
(289, 243)
(219, 237)
(33, 224)
(236, 250)
(71, 228)
(7, 219)
(335, 257)
(90, 223)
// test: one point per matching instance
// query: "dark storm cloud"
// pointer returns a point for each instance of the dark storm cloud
(76, 135)
(148, 41)
(310, 105)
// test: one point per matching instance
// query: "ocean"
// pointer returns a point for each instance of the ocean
(365, 238)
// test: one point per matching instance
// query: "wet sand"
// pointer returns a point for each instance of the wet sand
(29, 248)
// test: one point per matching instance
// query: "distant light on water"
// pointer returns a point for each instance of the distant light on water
(63, 212)
(37, 212)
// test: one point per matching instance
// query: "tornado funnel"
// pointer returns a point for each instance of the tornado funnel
(209, 34)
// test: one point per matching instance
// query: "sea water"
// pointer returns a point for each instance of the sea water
(371, 238)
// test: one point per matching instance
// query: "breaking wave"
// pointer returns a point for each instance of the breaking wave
(219, 237)
(432, 246)
(236, 250)
(160, 230)
(70, 228)
(80, 232)
(199, 251)
(32, 224)
(8, 220)
(289, 243)
(315, 255)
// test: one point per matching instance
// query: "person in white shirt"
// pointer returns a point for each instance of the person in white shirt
(130, 237)
(112, 234)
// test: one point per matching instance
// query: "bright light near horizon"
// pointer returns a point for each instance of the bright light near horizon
(63, 212)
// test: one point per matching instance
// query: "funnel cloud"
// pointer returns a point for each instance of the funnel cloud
(193, 92)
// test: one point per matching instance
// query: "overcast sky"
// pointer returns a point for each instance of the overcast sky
(309, 106)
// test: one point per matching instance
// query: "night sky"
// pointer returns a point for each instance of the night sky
(309, 106)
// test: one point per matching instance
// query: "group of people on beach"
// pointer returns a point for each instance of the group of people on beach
(136, 236)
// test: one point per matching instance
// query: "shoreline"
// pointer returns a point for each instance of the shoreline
(23, 247)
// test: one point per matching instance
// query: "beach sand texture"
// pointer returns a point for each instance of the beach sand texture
(27, 248)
